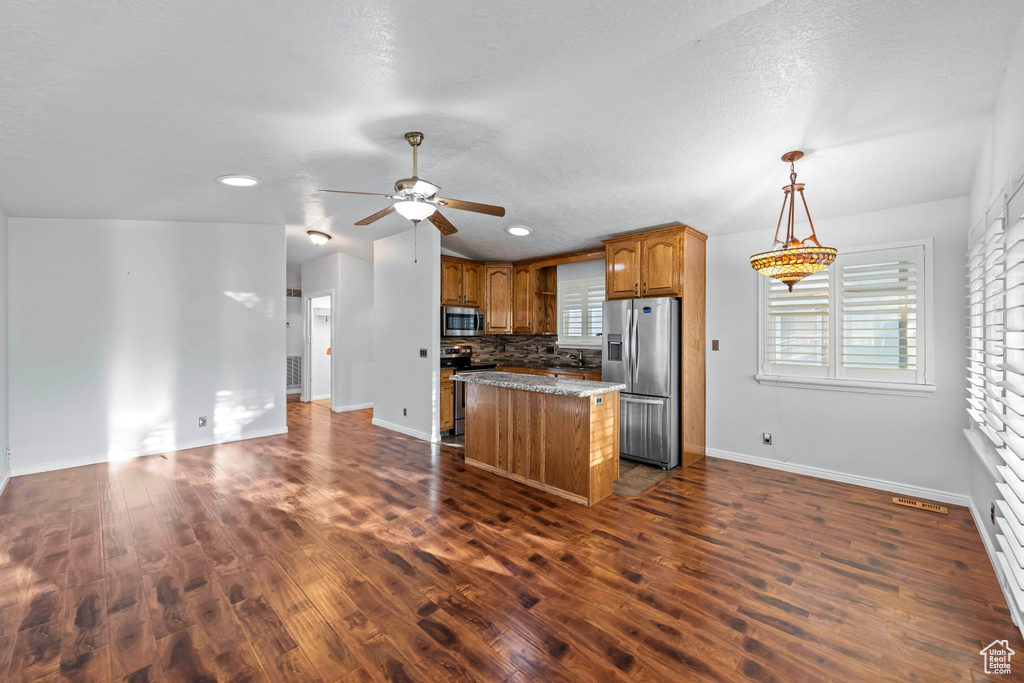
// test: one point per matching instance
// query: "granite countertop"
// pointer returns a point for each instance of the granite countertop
(544, 385)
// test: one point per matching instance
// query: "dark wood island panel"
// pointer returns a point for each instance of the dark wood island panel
(566, 445)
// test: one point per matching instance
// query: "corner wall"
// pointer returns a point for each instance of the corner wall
(906, 444)
(350, 280)
(407, 318)
(124, 333)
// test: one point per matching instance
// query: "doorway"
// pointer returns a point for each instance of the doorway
(319, 342)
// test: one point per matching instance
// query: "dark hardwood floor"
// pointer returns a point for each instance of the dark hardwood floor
(344, 552)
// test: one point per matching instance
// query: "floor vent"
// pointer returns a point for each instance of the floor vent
(930, 507)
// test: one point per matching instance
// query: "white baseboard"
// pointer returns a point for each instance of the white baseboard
(3, 483)
(320, 397)
(832, 475)
(405, 430)
(128, 455)
(357, 406)
(990, 550)
(293, 391)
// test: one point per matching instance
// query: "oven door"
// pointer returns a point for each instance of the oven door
(458, 321)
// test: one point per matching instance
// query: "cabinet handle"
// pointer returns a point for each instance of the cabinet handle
(636, 289)
(645, 288)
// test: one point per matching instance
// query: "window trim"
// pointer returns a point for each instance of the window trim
(569, 342)
(926, 325)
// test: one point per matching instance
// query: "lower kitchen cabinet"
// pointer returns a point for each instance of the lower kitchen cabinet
(447, 400)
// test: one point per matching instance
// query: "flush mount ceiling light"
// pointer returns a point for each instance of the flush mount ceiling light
(518, 230)
(318, 238)
(415, 209)
(239, 180)
(792, 260)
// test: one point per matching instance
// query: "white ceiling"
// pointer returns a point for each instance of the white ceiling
(583, 119)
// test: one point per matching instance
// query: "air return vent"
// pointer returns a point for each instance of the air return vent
(294, 372)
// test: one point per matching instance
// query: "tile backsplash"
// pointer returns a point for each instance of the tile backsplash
(523, 350)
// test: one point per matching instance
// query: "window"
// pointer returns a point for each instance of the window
(580, 305)
(862, 325)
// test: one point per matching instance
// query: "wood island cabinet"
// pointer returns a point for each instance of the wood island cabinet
(498, 298)
(462, 282)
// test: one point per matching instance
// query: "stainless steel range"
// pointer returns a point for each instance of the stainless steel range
(461, 359)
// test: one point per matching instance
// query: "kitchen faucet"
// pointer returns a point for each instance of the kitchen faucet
(578, 357)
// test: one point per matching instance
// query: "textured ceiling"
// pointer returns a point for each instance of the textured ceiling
(583, 119)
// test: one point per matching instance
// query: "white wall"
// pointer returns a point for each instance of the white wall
(4, 378)
(293, 324)
(350, 279)
(123, 333)
(581, 270)
(320, 360)
(407, 299)
(1002, 155)
(908, 444)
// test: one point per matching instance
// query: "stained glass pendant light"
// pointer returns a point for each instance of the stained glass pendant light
(792, 260)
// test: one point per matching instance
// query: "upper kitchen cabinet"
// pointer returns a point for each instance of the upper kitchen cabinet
(622, 269)
(649, 264)
(462, 282)
(498, 298)
(533, 299)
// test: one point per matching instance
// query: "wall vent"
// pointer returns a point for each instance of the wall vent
(293, 292)
(294, 373)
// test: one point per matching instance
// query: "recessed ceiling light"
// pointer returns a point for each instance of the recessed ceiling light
(318, 238)
(518, 230)
(239, 180)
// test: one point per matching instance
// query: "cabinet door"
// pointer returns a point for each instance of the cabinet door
(522, 299)
(498, 299)
(622, 270)
(447, 405)
(660, 265)
(473, 284)
(451, 282)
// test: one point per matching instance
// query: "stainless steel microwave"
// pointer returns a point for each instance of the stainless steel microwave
(459, 321)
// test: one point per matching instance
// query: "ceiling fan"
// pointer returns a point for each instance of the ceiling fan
(417, 199)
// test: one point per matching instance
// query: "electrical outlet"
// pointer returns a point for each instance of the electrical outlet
(714, 344)
(202, 421)
(766, 439)
(423, 353)
(9, 462)
(405, 412)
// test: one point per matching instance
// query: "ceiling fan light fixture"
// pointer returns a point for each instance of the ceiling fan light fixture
(414, 209)
(518, 230)
(239, 180)
(318, 238)
(792, 260)
(424, 188)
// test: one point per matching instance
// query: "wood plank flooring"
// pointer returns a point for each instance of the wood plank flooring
(344, 552)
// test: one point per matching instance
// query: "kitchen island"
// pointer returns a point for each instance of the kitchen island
(559, 435)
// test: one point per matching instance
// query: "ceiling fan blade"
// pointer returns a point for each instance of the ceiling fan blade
(442, 223)
(372, 194)
(377, 216)
(471, 206)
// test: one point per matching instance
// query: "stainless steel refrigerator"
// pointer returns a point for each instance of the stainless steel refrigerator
(641, 350)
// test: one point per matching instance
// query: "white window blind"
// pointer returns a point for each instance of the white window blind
(860, 321)
(580, 308)
(995, 370)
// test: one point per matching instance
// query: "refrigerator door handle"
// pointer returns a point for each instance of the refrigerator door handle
(636, 347)
(629, 342)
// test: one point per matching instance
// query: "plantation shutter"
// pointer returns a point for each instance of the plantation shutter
(996, 372)
(881, 313)
(797, 327)
(580, 306)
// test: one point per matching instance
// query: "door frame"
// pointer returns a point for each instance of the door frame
(307, 341)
